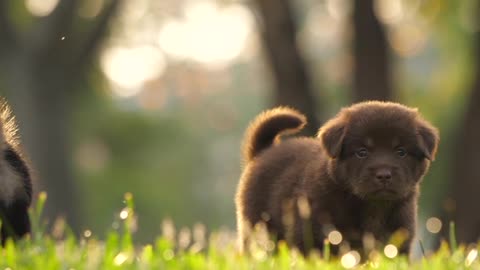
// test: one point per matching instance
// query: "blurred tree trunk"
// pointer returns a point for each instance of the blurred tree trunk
(466, 170)
(372, 66)
(41, 69)
(292, 81)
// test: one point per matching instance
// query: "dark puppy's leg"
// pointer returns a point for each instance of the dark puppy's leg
(15, 179)
(15, 221)
(14, 213)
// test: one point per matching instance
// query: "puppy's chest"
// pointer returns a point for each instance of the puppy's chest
(376, 221)
(360, 220)
(374, 224)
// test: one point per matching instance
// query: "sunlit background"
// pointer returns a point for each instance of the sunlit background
(176, 82)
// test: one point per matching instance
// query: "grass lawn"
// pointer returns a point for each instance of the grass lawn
(192, 250)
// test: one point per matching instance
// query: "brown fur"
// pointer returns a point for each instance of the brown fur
(346, 191)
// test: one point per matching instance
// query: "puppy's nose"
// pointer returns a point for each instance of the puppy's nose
(383, 175)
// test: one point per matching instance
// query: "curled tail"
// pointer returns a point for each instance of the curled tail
(263, 131)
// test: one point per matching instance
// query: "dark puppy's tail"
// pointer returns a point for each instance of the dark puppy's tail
(263, 131)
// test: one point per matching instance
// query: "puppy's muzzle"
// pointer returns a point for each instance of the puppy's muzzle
(383, 176)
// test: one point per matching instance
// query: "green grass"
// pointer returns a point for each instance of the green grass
(189, 249)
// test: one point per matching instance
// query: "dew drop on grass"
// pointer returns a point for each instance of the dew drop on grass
(390, 251)
(335, 237)
(259, 254)
(472, 255)
(120, 258)
(350, 259)
(124, 214)
(434, 225)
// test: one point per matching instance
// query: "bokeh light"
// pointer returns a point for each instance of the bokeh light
(389, 12)
(87, 233)
(339, 9)
(130, 68)
(135, 10)
(472, 255)
(124, 214)
(434, 225)
(335, 237)
(408, 39)
(41, 8)
(390, 251)
(120, 258)
(324, 28)
(350, 259)
(207, 34)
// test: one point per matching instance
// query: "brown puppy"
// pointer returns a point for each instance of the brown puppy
(360, 176)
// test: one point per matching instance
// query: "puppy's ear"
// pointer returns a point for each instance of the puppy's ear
(428, 138)
(332, 134)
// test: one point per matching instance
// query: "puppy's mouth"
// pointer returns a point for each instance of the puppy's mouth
(383, 193)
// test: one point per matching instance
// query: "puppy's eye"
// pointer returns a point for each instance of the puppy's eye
(361, 153)
(401, 152)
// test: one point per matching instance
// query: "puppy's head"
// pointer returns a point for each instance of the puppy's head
(379, 150)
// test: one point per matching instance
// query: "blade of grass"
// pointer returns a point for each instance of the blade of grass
(453, 239)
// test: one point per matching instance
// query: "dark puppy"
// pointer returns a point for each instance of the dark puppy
(360, 177)
(15, 180)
